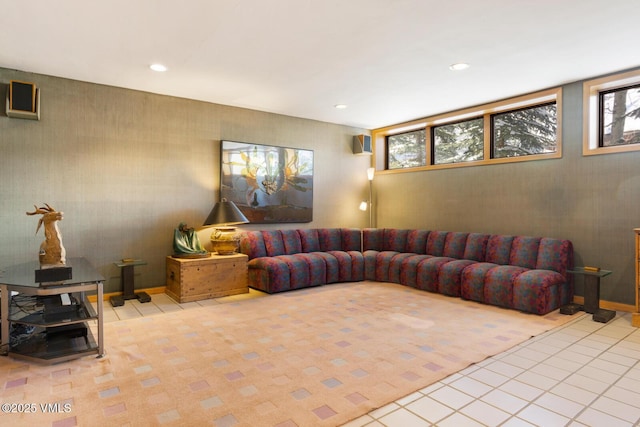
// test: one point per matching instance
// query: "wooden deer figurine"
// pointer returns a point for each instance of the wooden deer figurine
(52, 253)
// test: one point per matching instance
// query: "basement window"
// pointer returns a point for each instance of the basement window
(612, 114)
(524, 132)
(458, 142)
(523, 128)
(406, 150)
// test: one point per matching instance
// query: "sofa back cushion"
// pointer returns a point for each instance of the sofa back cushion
(330, 239)
(556, 255)
(292, 243)
(372, 239)
(351, 239)
(499, 249)
(395, 240)
(454, 245)
(252, 244)
(476, 247)
(273, 242)
(524, 251)
(309, 240)
(417, 241)
(435, 242)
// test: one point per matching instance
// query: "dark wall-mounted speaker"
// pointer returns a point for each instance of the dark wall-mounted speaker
(23, 100)
(22, 96)
(362, 144)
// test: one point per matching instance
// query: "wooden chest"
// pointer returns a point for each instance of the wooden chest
(201, 278)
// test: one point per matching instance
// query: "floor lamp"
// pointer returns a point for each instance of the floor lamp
(369, 205)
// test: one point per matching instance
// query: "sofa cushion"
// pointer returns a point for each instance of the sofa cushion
(351, 239)
(435, 243)
(450, 276)
(409, 269)
(269, 274)
(372, 239)
(454, 245)
(299, 272)
(292, 243)
(472, 280)
(317, 267)
(498, 285)
(427, 273)
(309, 240)
(556, 255)
(383, 261)
(252, 245)
(357, 265)
(330, 239)
(341, 263)
(395, 266)
(395, 240)
(538, 291)
(417, 241)
(476, 247)
(499, 249)
(524, 251)
(370, 264)
(273, 242)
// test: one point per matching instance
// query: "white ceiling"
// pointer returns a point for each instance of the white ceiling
(388, 60)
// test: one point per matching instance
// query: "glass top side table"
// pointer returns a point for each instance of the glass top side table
(591, 294)
(126, 266)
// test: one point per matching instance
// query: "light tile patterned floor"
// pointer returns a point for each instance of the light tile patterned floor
(582, 374)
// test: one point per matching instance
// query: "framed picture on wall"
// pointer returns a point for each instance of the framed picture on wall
(269, 184)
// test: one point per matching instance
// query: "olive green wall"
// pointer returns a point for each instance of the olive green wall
(594, 201)
(126, 167)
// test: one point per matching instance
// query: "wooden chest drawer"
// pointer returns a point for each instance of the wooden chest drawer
(201, 278)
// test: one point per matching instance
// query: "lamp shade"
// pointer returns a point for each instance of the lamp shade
(225, 212)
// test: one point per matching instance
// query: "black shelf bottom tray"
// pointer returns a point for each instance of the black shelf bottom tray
(60, 342)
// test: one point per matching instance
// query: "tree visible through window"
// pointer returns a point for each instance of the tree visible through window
(458, 142)
(524, 132)
(620, 116)
(406, 150)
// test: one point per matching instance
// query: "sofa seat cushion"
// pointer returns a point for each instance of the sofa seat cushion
(538, 291)
(269, 274)
(395, 266)
(472, 280)
(332, 267)
(317, 267)
(350, 265)
(450, 276)
(409, 268)
(427, 272)
(299, 273)
(383, 262)
(370, 264)
(498, 285)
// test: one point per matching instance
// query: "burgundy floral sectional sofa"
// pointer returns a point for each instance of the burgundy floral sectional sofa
(519, 272)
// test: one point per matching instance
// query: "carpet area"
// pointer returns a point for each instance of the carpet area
(313, 357)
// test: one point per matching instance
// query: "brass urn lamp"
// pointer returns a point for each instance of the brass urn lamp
(225, 215)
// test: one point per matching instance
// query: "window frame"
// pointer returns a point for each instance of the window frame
(386, 145)
(378, 136)
(434, 127)
(492, 119)
(591, 91)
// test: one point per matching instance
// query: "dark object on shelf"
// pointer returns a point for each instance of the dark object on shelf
(56, 274)
(68, 331)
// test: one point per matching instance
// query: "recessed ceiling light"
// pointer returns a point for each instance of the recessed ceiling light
(158, 67)
(459, 66)
(340, 106)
